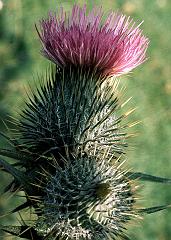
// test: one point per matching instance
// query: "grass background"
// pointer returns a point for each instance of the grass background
(149, 84)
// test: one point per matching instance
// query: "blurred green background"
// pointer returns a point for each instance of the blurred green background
(149, 84)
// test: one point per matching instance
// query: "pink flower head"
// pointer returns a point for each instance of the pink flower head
(111, 47)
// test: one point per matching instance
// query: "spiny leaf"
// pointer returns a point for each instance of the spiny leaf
(18, 175)
(15, 155)
(147, 177)
(12, 187)
(21, 207)
(11, 141)
(22, 232)
(153, 209)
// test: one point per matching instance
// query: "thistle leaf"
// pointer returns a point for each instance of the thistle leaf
(11, 141)
(18, 175)
(147, 177)
(14, 155)
(22, 232)
(11, 187)
(21, 207)
(153, 209)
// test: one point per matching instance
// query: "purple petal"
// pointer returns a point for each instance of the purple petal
(113, 47)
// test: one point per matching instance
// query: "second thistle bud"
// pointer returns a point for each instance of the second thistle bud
(87, 199)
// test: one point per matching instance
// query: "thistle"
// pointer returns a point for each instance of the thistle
(69, 142)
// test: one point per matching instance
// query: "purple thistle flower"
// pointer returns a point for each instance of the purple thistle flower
(113, 47)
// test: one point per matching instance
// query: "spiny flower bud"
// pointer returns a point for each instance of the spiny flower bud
(110, 47)
(87, 199)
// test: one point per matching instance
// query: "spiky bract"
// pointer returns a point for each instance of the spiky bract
(73, 112)
(111, 47)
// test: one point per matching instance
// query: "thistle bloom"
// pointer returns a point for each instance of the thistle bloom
(112, 47)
